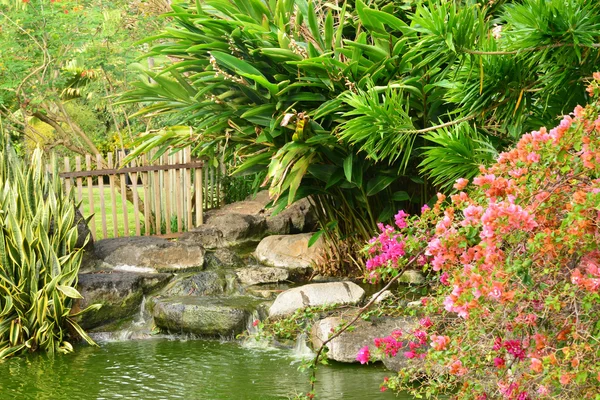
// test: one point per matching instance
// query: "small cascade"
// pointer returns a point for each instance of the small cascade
(301, 350)
(231, 284)
(142, 316)
(253, 339)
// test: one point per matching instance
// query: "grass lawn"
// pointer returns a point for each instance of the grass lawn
(85, 205)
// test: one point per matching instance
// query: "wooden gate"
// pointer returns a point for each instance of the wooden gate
(162, 197)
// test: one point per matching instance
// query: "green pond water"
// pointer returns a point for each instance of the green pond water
(175, 369)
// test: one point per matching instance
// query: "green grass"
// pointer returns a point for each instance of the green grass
(85, 205)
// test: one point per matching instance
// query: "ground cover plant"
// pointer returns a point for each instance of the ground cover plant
(39, 260)
(516, 308)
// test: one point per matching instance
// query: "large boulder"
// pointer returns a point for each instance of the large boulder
(250, 221)
(315, 294)
(345, 347)
(289, 251)
(151, 252)
(119, 293)
(206, 316)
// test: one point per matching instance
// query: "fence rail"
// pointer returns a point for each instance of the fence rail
(164, 196)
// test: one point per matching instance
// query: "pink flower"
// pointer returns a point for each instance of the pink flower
(400, 219)
(499, 362)
(461, 183)
(363, 355)
(255, 322)
(440, 343)
(444, 279)
(425, 322)
(536, 365)
(425, 208)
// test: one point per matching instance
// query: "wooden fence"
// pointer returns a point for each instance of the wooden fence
(161, 197)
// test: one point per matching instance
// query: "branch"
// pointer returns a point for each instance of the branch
(360, 312)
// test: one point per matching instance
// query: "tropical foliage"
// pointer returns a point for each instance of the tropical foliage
(344, 101)
(38, 259)
(515, 308)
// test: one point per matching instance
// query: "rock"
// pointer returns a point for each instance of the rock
(411, 276)
(257, 275)
(207, 316)
(151, 252)
(266, 291)
(120, 294)
(315, 294)
(222, 258)
(250, 220)
(345, 347)
(383, 296)
(289, 251)
(205, 283)
(299, 217)
(239, 228)
(206, 236)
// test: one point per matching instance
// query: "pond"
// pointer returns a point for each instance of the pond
(181, 369)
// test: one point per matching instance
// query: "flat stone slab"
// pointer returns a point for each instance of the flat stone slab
(150, 252)
(289, 251)
(206, 316)
(345, 347)
(258, 275)
(315, 294)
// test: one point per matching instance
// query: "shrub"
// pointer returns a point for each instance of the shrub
(516, 306)
(38, 259)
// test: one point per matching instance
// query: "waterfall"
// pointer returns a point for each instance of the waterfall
(301, 349)
(253, 339)
(141, 319)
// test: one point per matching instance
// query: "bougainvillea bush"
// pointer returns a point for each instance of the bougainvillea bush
(515, 310)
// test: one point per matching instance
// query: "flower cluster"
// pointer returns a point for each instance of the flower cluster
(517, 250)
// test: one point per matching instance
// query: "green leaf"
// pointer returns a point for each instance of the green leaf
(348, 167)
(69, 292)
(378, 184)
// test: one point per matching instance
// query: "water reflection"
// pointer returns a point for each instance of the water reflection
(194, 369)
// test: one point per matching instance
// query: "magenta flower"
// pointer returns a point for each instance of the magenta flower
(363, 355)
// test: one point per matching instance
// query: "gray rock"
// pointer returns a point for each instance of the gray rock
(239, 228)
(250, 220)
(205, 283)
(345, 347)
(315, 294)
(257, 275)
(207, 316)
(119, 293)
(412, 276)
(222, 258)
(387, 294)
(150, 252)
(289, 251)
(299, 217)
(206, 236)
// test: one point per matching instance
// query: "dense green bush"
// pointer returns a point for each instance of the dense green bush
(38, 259)
(344, 102)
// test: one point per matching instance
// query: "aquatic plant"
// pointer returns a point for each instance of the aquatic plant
(38, 258)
